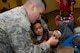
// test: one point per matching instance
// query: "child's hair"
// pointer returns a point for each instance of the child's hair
(65, 14)
(32, 24)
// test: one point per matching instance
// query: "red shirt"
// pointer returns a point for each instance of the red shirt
(43, 38)
(64, 7)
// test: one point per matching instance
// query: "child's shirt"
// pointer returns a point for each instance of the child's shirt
(57, 20)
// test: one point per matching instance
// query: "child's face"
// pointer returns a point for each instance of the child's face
(56, 34)
(37, 28)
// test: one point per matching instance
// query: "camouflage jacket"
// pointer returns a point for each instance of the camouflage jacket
(16, 25)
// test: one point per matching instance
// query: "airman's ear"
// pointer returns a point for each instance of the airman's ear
(33, 7)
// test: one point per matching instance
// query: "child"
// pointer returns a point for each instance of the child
(39, 34)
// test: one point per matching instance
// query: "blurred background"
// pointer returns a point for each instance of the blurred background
(50, 13)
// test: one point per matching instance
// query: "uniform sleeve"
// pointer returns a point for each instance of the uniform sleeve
(22, 44)
(20, 38)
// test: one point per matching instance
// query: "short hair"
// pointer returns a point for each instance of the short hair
(39, 3)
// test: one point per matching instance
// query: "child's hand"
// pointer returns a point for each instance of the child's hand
(57, 17)
(78, 18)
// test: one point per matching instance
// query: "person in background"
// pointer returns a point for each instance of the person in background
(15, 26)
(65, 21)
(65, 16)
(66, 5)
(39, 34)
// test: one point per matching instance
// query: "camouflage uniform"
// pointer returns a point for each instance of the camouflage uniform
(16, 25)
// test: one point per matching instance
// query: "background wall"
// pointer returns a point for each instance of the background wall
(53, 5)
(8, 4)
(23, 1)
(77, 5)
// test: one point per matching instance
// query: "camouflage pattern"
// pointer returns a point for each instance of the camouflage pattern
(15, 26)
